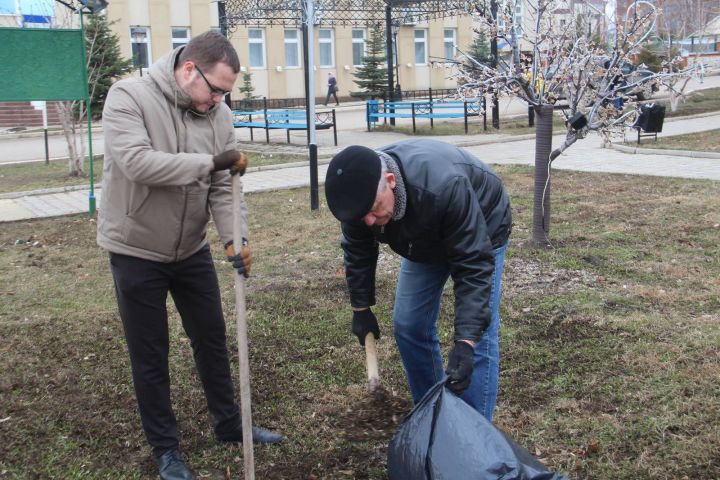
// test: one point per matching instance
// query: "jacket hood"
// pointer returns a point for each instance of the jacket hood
(162, 73)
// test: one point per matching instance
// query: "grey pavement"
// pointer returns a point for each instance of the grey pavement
(587, 155)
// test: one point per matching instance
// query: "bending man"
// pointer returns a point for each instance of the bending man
(448, 215)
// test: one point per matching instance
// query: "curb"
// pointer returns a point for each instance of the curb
(43, 191)
(663, 151)
(41, 133)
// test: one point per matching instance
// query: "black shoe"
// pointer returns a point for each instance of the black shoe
(259, 435)
(172, 467)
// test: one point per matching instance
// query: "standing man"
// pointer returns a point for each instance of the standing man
(448, 215)
(332, 89)
(169, 154)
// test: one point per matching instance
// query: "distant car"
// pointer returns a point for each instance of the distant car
(630, 75)
(624, 82)
(645, 90)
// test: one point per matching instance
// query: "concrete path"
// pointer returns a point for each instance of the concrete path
(586, 155)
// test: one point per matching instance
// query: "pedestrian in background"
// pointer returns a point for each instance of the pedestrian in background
(332, 89)
(170, 149)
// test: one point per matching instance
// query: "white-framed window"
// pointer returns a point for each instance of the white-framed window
(421, 55)
(140, 38)
(326, 40)
(292, 48)
(180, 36)
(516, 7)
(359, 46)
(256, 46)
(449, 43)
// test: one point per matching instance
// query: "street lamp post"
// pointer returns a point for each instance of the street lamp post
(88, 6)
(395, 30)
(494, 63)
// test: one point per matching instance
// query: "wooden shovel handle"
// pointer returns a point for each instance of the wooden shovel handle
(242, 340)
(371, 362)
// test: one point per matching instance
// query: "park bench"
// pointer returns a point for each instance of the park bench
(429, 109)
(286, 119)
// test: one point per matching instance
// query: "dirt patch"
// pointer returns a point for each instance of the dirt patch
(374, 417)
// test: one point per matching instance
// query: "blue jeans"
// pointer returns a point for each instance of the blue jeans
(415, 315)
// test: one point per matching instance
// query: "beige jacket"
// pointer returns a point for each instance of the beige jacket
(157, 189)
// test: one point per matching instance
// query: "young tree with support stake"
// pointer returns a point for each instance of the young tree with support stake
(565, 63)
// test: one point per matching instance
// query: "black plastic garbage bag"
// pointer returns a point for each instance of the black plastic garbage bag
(445, 438)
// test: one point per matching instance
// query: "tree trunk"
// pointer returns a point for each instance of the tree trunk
(75, 161)
(543, 147)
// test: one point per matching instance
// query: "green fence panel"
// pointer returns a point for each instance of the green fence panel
(41, 64)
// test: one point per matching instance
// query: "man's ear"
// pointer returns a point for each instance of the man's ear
(187, 68)
(390, 177)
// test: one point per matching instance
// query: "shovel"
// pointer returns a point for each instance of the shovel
(242, 341)
(371, 362)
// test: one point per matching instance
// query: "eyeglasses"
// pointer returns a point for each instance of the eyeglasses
(214, 91)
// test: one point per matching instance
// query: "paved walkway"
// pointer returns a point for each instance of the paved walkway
(586, 155)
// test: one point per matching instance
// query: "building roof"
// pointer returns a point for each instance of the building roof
(710, 28)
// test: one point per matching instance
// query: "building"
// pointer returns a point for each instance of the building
(273, 54)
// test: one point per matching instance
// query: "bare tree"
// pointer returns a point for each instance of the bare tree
(599, 81)
(102, 62)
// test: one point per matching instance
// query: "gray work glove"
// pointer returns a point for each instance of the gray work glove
(241, 261)
(460, 367)
(364, 322)
(233, 160)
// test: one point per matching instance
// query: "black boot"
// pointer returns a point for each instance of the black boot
(172, 467)
(259, 435)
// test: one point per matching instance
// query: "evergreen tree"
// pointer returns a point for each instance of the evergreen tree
(371, 76)
(105, 64)
(652, 61)
(247, 88)
(479, 49)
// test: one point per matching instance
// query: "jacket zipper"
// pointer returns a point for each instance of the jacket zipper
(409, 248)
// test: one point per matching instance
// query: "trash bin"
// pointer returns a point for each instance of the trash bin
(372, 107)
(650, 121)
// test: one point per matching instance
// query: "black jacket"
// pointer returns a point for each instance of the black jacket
(457, 213)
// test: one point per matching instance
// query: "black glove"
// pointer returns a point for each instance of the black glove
(460, 367)
(363, 322)
(236, 161)
(241, 261)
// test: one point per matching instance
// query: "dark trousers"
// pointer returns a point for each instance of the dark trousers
(331, 91)
(141, 287)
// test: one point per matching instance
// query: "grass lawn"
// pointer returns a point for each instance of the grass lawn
(609, 340)
(700, 101)
(32, 176)
(708, 141)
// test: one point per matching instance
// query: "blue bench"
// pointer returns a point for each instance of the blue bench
(429, 109)
(282, 120)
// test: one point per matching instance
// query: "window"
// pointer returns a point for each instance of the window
(140, 37)
(449, 42)
(358, 46)
(516, 7)
(292, 48)
(256, 44)
(327, 47)
(420, 46)
(180, 36)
